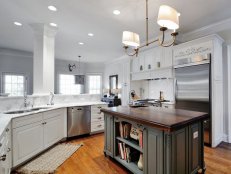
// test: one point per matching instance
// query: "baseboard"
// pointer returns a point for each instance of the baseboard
(226, 138)
(217, 141)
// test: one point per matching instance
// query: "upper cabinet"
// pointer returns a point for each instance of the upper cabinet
(149, 63)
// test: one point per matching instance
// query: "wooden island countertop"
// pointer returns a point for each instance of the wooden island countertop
(161, 118)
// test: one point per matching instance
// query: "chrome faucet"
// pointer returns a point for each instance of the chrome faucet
(51, 99)
(25, 100)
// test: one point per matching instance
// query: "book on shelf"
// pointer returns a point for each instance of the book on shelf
(124, 129)
(141, 139)
(124, 152)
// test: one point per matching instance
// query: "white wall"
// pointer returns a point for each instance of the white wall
(21, 62)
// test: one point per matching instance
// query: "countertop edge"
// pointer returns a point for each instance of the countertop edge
(168, 128)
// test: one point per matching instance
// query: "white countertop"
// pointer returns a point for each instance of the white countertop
(6, 118)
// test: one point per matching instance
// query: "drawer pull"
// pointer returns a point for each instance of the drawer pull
(98, 112)
(7, 129)
(44, 123)
(100, 118)
(0, 144)
(99, 125)
(99, 107)
(3, 158)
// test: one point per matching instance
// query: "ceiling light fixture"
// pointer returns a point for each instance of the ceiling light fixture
(53, 24)
(18, 23)
(116, 12)
(168, 18)
(90, 34)
(81, 43)
(52, 8)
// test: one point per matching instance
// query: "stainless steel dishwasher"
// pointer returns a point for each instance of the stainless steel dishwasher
(78, 121)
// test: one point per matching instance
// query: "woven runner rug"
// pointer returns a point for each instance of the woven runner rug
(48, 162)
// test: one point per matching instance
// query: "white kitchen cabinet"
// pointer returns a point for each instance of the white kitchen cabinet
(167, 57)
(5, 151)
(149, 60)
(27, 142)
(97, 118)
(135, 64)
(34, 133)
(53, 130)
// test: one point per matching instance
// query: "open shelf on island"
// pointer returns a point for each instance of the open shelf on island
(131, 166)
(131, 143)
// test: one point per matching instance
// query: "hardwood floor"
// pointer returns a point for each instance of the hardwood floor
(89, 159)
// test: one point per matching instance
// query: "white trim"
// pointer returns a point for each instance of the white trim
(207, 30)
(229, 89)
(101, 82)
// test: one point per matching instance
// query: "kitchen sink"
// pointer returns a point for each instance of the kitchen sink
(26, 110)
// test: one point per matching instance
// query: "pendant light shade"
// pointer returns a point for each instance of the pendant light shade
(168, 17)
(131, 39)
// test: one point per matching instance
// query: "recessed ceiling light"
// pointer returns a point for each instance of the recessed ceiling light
(116, 12)
(81, 43)
(52, 8)
(53, 24)
(90, 34)
(18, 23)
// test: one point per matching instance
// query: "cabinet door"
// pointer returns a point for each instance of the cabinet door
(167, 59)
(149, 59)
(109, 135)
(27, 142)
(135, 64)
(157, 57)
(153, 151)
(141, 62)
(53, 130)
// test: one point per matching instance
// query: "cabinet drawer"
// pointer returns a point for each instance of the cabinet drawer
(96, 118)
(53, 113)
(22, 121)
(97, 126)
(98, 107)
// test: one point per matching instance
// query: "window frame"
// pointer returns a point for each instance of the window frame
(25, 84)
(88, 84)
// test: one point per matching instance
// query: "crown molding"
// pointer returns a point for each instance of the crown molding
(14, 52)
(207, 30)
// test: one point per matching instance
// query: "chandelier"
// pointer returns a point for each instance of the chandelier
(168, 18)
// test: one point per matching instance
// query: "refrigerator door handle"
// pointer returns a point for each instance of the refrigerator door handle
(176, 90)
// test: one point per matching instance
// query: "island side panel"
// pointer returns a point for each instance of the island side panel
(109, 135)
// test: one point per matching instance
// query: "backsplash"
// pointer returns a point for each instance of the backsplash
(151, 88)
(17, 103)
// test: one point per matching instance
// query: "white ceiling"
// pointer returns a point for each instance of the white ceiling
(76, 18)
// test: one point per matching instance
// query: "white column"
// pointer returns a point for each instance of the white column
(44, 60)
(229, 90)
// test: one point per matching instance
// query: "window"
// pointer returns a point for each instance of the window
(14, 84)
(94, 84)
(67, 85)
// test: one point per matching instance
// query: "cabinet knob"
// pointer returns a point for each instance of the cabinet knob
(8, 150)
(3, 158)
(7, 129)
(99, 107)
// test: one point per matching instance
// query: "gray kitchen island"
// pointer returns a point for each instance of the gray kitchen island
(169, 141)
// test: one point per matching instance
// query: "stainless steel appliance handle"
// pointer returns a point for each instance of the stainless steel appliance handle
(176, 90)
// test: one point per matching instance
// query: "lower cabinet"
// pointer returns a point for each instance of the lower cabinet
(27, 142)
(5, 151)
(31, 138)
(53, 130)
(97, 118)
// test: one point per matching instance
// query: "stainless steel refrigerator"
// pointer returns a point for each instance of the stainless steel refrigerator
(193, 91)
